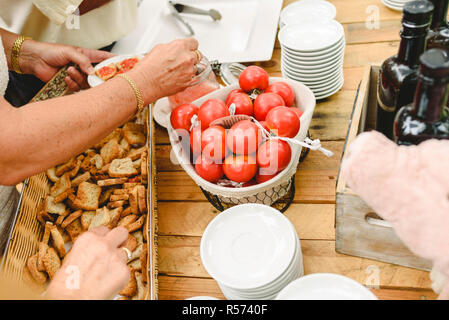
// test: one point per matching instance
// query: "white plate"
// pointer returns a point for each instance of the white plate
(302, 62)
(311, 37)
(300, 69)
(94, 80)
(305, 10)
(392, 5)
(315, 76)
(326, 85)
(246, 32)
(329, 93)
(248, 246)
(202, 298)
(337, 47)
(325, 286)
(316, 58)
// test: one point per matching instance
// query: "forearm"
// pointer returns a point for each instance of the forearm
(43, 134)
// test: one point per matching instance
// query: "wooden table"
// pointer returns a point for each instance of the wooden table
(184, 211)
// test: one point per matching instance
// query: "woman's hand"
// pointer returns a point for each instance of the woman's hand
(95, 268)
(167, 69)
(44, 59)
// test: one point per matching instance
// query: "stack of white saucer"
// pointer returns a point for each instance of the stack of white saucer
(312, 52)
(307, 10)
(397, 5)
(252, 251)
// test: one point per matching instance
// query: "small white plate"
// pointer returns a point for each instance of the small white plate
(325, 286)
(309, 63)
(311, 37)
(307, 10)
(94, 80)
(329, 93)
(315, 58)
(312, 76)
(300, 69)
(337, 47)
(248, 246)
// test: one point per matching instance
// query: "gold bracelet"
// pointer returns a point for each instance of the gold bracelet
(15, 53)
(140, 102)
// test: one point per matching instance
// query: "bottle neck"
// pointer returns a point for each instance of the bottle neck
(439, 19)
(412, 45)
(430, 97)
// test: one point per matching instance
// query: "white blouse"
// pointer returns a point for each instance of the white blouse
(3, 70)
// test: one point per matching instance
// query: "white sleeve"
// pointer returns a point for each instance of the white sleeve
(57, 10)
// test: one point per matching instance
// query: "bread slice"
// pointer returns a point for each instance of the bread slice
(142, 199)
(133, 200)
(37, 275)
(58, 241)
(110, 151)
(143, 262)
(131, 288)
(87, 197)
(81, 178)
(135, 154)
(135, 264)
(69, 165)
(51, 174)
(131, 243)
(101, 218)
(86, 219)
(111, 182)
(136, 225)
(62, 185)
(141, 287)
(135, 138)
(125, 221)
(55, 208)
(115, 217)
(43, 247)
(120, 168)
(52, 262)
(72, 217)
(105, 196)
(116, 135)
(74, 230)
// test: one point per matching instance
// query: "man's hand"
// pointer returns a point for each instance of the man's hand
(95, 268)
(45, 59)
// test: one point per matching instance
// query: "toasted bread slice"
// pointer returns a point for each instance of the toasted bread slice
(135, 264)
(74, 230)
(87, 197)
(136, 225)
(141, 287)
(133, 200)
(58, 241)
(79, 160)
(111, 182)
(116, 135)
(110, 151)
(144, 168)
(86, 219)
(43, 247)
(47, 232)
(135, 154)
(115, 217)
(142, 199)
(134, 138)
(131, 243)
(72, 217)
(116, 204)
(125, 221)
(52, 262)
(126, 212)
(122, 168)
(37, 275)
(62, 185)
(118, 197)
(69, 165)
(101, 218)
(51, 174)
(131, 288)
(80, 179)
(143, 262)
(55, 208)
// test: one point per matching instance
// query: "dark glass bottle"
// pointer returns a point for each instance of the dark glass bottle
(438, 35)
(423, 119)
(398, 74)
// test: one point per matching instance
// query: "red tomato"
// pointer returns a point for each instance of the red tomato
(208, 169)
(181, 116)
(253, 77)
(273, 156)
(284, 90)
(244, 137)
(195, 141)
(264, 103)
(213, 142)
(211, 110)
(232, 93)
(243, 103)
(261, 178)
(240, 168)
(297, 111)
(283, 122)
(264, 125)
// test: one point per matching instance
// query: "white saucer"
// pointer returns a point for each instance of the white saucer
(307, 10)
(300, 62)
(316, 55)
(309, 37)
(307, 71)
(93, 80)
(325, 286)
(312, 77)
(248, 246)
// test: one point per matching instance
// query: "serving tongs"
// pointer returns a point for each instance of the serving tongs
(178, 8)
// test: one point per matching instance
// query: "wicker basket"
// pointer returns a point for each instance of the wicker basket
(265, 193)
(26, 231)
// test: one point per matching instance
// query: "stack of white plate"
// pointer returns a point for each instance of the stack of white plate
(395, 4)
(325, 286)
(313, 53)
(252, 251)
(307, 10)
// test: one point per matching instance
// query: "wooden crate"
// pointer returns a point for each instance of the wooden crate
(359, 230)
(26, 231)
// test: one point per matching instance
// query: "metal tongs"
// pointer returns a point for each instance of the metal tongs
(178, 8)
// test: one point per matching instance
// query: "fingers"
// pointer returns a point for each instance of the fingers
(122, 254)
(100, 231)
(73, 86)
(97, 55)
(77, 56)
(191, 43)
(116, 237)
(77, 77)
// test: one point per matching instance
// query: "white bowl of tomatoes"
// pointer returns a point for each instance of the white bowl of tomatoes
(229, 155)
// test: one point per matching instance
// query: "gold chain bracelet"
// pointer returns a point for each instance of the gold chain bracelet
(15, 53)
(140, 102)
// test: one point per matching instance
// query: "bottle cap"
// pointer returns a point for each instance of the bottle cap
(417, 13)
(435, 63)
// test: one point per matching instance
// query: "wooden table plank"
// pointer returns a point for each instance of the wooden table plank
(180, 288)
(191, 218)
(180, 256)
